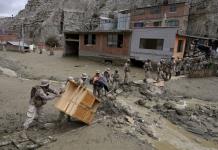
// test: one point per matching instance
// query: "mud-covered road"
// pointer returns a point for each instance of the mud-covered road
(14, 96)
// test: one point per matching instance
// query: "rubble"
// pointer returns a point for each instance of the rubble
(198, 119)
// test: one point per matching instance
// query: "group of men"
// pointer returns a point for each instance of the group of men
(42, 93)
(101, 81)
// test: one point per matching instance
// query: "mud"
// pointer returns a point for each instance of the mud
(198, 119)
(137, 116)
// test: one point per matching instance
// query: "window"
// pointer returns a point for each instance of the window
(90, 39)
(139, 25)
(115, 40)
(173, 8)
(155, 10)
(138, 12)
(155, 44)
(172, 23)
(180, 46)
(157, 23)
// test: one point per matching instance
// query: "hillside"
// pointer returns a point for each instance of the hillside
(43, 18)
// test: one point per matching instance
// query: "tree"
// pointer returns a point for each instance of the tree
(52, 42)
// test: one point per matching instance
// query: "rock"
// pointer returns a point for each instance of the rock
(181, 112)
(215, 124)
(111, 97)
(49, 125)
(169, 105)
(149, 130)
(32, 147)
(130, 120)
(181, 106)
(4, 143)
(197, 130)
(139, 82)
(141, 102)
(119, 91)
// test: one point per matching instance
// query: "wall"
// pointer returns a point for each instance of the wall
(179, 54)
(181, 14)
(5, 38)
(100, 49)
(168, 34)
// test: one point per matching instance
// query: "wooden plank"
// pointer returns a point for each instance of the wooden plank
(63, 103)
(72, 106)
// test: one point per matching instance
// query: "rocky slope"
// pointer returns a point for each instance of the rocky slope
(203, 19)
(43, 18)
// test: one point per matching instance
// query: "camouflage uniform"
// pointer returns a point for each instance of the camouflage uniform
(126, 72)
(36, 111)
(147, 68)
(159, 70)
(116, 80)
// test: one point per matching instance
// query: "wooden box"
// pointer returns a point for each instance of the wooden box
(78, 102)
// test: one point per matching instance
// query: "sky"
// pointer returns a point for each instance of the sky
(11, 7)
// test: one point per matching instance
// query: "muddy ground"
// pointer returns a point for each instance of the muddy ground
(132, 130)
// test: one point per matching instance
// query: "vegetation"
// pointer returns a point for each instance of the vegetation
(52, 42)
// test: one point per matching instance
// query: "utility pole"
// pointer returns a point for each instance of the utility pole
(23, 36)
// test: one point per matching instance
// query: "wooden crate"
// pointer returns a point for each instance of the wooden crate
(78, 102)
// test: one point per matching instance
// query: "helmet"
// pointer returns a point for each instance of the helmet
(44, 83)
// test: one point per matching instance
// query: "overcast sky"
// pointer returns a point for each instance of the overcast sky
(9, 7)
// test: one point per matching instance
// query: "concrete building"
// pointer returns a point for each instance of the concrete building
(161, 15)
(156, 43)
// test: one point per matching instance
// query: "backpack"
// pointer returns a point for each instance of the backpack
(38, 102)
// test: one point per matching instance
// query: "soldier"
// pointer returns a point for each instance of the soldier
(116, 80)
(178, 67)
(107, 75)
(39, 97)
(126, 71)
(97, 86)
(147, 67)
(159, 69)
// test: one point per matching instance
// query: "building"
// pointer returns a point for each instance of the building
(150, 32)
(155, 43)
(162, 15)
(107, 44)
(6, 36)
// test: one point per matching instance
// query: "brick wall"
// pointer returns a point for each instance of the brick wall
(101, 46)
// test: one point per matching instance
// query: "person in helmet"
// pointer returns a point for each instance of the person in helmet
(40, 94)
(126, 71)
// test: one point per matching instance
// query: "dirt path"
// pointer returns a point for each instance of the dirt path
(97, 137)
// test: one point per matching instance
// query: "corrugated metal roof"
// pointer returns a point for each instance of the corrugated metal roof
(19, 43)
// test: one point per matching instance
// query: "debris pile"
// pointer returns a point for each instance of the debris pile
(121, 117)
(198, 119)
(14, 142)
